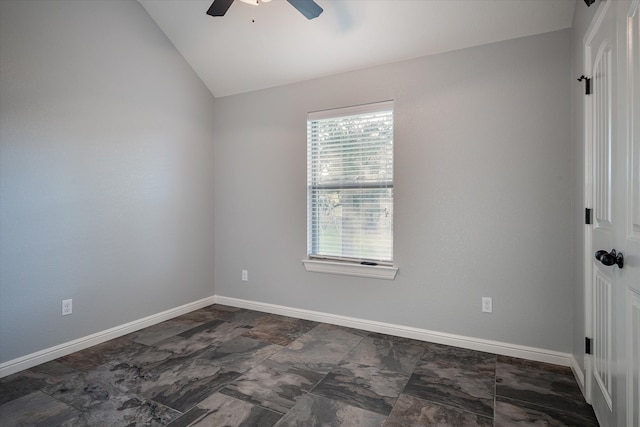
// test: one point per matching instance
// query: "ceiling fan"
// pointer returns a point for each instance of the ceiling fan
(308, 8)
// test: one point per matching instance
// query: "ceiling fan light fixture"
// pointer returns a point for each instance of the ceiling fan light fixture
(309, 8)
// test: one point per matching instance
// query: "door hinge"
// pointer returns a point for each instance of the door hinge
(587, 216)
(587, 84)
(587, 345)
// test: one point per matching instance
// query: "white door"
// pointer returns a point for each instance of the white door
(600, 54)
(613, 183)
(629, 173)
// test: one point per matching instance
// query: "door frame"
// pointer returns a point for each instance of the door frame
(631, 38)
(603, 6)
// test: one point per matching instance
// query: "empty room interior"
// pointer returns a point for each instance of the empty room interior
(158, 189)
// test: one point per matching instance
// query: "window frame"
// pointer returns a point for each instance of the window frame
(363, 267)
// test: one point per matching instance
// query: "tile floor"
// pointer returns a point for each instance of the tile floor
(223, 366)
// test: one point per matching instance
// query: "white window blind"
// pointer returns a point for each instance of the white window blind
(350, 183)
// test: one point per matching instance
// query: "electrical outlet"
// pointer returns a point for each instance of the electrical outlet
(487, 305)
(245, 276)
(67, 307)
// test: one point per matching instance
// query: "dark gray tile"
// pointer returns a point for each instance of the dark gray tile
(448, 356)
(221, 365)
(30, 380)
(273, 385)
(401, 340)
(19, 386)
(119, 349)
(83, 390)
(96, 355)
(182, 383)
(280, 330)
(362, 386)
(516, 413)
(468, 394)
(557, 369)
(126, 377)
(102, 401)
(159, 332)
(178, 383)
(114, 351)
(183, 346)
(282, 318)
(410, 411)
(203, 327)
(385, 354)
(245, 317)
(320, 349)
(545, 385)
(317, 411)
(241, 353)
(215, 330)
(203, 315)
(221, 410)
(203, 337)
(53, 370)
(221, 307)
(38, 409)
(455, 377)
(143, 356)
(123, 410)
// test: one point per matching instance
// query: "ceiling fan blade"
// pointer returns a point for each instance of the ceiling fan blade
(219, 7)
(308, 8)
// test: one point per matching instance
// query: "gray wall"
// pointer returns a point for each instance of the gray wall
(106, 172)
(482, 193)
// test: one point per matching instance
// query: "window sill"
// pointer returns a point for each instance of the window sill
(351, 269)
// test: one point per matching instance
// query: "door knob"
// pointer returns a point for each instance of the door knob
(610, 258)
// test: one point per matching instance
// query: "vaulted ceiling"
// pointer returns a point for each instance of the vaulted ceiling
(272, 44)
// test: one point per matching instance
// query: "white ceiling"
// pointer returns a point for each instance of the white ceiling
(233, 54)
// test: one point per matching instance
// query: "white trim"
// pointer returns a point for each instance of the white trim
(588, 369)
(497, 347)
(588, 191)
(353, 110)
(350, 269)
(49, 354)
(577, 373)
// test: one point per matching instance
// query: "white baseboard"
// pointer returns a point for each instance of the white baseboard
(48, 354)
(578, 373)
(497, 347)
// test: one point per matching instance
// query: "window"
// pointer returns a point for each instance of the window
(350, 184)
